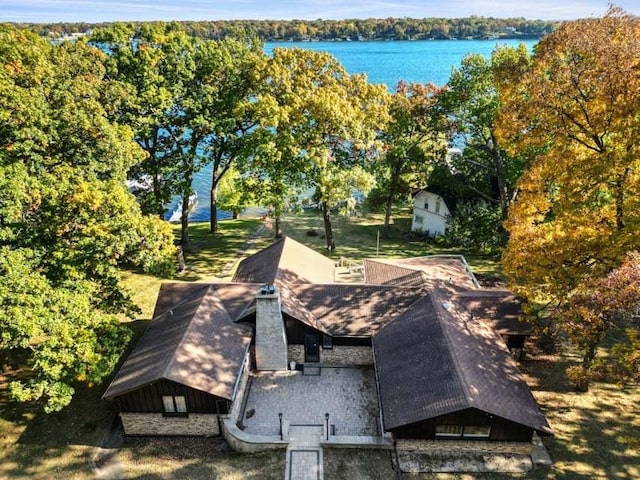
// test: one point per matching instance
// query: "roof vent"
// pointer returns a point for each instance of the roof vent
(267, 290)
(446, 306)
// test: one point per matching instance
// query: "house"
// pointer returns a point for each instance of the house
(434, 338)
(430, 213)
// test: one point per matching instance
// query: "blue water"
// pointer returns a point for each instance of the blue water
(383, 62)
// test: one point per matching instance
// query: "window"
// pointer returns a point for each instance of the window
(476, 431)
(174, 405)
(327, 341)
(448, 430)
(419, 220)
(437, 206)
(467, 431)
(426, 204)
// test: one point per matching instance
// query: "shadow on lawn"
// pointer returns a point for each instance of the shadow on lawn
(41, 445)
(596, 432)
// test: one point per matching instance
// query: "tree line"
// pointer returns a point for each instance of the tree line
(352, 29)
(548, 166)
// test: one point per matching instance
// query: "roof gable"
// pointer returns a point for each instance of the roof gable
(288, 261)
(195, 342)
(474, 369)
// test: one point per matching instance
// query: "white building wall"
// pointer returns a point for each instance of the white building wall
(430, 213)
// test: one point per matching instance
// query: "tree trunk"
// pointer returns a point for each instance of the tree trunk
(387, 214)
(278, 230)
(500, 177)
(213, 204)
(393, 186)
(184, 221)
(619, 195)
(157, 194)
(328, 230)
(186, 207)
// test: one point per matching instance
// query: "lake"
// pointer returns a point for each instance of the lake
(385, 62)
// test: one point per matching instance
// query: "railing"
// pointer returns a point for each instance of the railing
(352, 265)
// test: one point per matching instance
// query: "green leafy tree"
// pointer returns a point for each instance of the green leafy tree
(233, 193)
(67, 222)
(55, 330)
(139, 58)
(189, 112)
(413, 141)
(471, 99)
(321, 120)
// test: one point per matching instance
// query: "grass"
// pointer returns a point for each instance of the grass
(353, 464)
(197, 459)
(208, 256)
(597, 433)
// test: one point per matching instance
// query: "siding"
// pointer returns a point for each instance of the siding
(501, 430)
(149, 399)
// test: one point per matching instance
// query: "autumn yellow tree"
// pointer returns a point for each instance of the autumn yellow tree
(575, 111)
(319, 126)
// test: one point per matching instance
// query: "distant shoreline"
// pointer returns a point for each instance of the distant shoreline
(349, 30)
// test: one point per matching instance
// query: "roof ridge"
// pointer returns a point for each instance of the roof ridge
(420, 298)
(185, 300)
(300, 302)
(169, 365)
(461, 377)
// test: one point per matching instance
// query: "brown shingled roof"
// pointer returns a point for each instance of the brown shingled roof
(474, 369)
(379, 273)
(444, 272)
(194, 342)
(355, 310)
(288, 261)
(501, 308)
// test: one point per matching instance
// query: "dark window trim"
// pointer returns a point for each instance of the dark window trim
(463, 433)
(175, 412)
(327, 342)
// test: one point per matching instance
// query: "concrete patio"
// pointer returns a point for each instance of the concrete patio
(348, 395)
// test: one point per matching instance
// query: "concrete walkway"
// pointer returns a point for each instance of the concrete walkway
(105, 459)
(304, 455)
(348, 395)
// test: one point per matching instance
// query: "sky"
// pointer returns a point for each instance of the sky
(112, 10)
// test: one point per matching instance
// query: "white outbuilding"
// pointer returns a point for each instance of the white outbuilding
(430, 213)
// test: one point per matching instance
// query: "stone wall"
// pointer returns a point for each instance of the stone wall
(241, 441)
(346, 356)
(338, 356)
(296, 353)
(238, 402)
(449, 447)
(196, 424)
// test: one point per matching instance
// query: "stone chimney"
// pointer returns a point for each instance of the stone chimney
(271, 338)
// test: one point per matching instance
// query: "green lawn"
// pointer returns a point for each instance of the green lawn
(597, 433)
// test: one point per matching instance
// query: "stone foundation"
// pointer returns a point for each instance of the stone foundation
(415, 456)
(449, 447)
(295, 353)
(335, 357)
(346, 356)
(196, 424)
